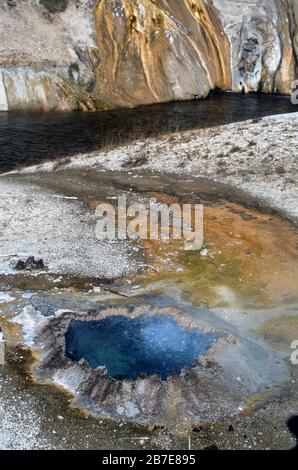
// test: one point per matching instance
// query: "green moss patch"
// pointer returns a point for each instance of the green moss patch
(54, 6)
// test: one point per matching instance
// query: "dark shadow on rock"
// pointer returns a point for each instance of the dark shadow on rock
(292, 424)
(212, 447)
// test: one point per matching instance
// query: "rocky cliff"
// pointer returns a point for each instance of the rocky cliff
(98, 54)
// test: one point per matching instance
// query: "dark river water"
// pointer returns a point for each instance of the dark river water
(27, 138)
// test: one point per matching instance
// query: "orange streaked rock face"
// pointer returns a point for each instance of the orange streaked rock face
(159, 51)
(98, 54)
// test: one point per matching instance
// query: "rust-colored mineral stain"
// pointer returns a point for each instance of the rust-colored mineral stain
(251, 253)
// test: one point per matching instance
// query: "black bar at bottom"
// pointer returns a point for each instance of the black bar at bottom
(135, 459)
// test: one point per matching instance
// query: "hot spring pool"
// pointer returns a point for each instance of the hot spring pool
(129, 347)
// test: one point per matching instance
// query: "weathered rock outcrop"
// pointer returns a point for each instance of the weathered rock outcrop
(261, 35)
(294, 27)
(160, 51)
(96, 54)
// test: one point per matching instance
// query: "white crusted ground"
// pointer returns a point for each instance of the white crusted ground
(20, 424)
(38, 222)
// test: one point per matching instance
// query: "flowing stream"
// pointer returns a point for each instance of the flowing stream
(29, 138)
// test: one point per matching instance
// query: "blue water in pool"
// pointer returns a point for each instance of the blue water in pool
(131, 346)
